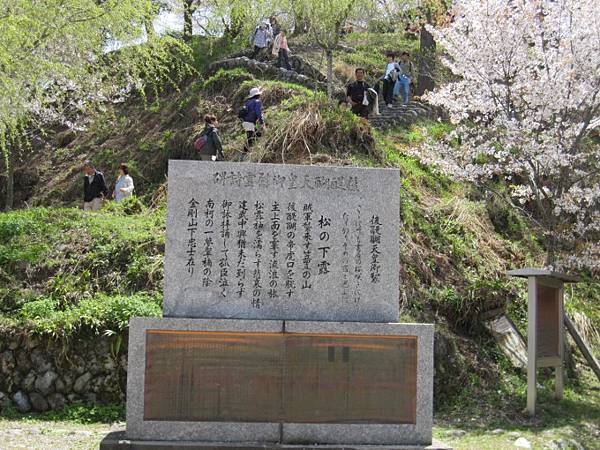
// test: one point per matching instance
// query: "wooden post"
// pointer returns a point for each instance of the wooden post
(531, 346)
(559, 370)
(586, 352)
(546, 308)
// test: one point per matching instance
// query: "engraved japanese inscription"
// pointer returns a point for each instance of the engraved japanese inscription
(282, 242)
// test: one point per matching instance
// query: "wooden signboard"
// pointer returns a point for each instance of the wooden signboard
(280, 377)
(548, 321)
(545, 311)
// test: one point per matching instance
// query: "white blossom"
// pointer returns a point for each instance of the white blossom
(526, 102)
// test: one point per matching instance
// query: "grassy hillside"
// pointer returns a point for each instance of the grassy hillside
(64, 273)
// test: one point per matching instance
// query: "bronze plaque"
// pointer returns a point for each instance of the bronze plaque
(293, 378)
(351, 379)
(547, 324)
(211, 376)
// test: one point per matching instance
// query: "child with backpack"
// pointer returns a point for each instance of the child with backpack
(208, 145)
(251, 115)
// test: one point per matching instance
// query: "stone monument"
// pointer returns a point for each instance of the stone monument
(281, 297)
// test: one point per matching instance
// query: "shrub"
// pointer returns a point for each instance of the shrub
(95, 314)
(226, 81)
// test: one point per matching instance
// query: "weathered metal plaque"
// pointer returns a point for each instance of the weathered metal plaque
(351, 379)
(277, 377)
(547, 329)
(212, 376)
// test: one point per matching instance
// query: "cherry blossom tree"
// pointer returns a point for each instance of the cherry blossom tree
(526, 102)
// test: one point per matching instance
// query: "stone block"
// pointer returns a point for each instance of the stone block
(271, 241)
(22, 401)
(38, 402)
(45, 383)
(82, 382)
(138, 428)
(117, 440)
(324, 350)
(56, 401)
(418, 433)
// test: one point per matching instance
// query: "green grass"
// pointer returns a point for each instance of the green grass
(576, 416)
(76, 413)
(206, 50)
(371, 48)
(225, 78)
(64, 271)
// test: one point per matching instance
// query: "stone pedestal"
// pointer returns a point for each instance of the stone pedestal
(117, 440)
(273, 381)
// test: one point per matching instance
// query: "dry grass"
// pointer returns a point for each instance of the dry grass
(344, 72)
(586, 329)
(299, 135)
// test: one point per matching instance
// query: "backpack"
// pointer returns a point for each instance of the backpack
(204, 143)
(243, 112)
(200, 142)
(395, 73)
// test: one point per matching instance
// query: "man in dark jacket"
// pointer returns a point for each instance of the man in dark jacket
(357, 95)
(94, 188)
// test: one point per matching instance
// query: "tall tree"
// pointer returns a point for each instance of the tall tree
(52, 58)
(188, 17)
(327, 20)
(527, 105)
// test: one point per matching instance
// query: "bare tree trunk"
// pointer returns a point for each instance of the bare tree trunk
(188, 12)
(301, 24)
(551, 250)
(426, 80)
(150, 33)
(10, 178)
(329, 54)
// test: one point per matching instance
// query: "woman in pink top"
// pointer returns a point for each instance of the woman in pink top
(282, 51)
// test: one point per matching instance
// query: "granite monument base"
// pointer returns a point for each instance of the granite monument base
(275, 381)
(118, 441)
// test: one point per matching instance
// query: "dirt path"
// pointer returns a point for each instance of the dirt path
(34, 435)
(49, 435)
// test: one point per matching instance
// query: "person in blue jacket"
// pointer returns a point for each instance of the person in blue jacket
(252, 117)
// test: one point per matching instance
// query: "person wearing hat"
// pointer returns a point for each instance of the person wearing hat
(94, 188)
(252, 117)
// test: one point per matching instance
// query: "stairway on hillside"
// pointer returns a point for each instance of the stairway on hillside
(400, 114)
(397, 115)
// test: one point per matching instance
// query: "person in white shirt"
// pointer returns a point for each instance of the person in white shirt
(124, 186)
(389, 79)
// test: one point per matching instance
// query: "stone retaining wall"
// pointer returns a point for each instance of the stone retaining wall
(268, 70)
(298, 63)
(39, 375)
